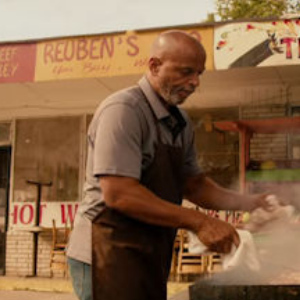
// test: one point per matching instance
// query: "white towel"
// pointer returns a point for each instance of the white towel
(244, 256)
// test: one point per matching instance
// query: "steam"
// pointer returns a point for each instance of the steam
(278, 248)
(279, 252)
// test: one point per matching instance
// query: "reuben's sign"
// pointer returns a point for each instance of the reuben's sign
(103, 55)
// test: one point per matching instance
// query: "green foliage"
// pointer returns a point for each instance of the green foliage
(243, 9)
(210, 17)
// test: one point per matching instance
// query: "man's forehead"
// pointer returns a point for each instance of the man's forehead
(174, 42)
(187, 60)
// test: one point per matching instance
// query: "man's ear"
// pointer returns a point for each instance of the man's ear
(154, 65)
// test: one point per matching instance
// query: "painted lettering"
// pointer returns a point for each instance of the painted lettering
(94, 54)
(84, 48)
(90, 67)
(15, 214)
(134, 48)
(60, 69)
(7, 54)
(60, 51)
(23, 214)
(48, 53)
(69, 50)
(213, 213)
(8, 69)
(26, 214)
(288, 41)
(108, 46)
(228, 214)
(68, 213)
(82, 51)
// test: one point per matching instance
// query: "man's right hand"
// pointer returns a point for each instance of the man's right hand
(219, 236)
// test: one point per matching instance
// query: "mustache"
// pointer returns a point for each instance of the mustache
(189, 90)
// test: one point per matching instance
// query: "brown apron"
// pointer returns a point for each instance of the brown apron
(131, 259)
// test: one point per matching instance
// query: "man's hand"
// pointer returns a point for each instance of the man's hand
(255, 201)
(217, 235)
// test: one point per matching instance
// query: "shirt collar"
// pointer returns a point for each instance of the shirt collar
(158, 108)
(173, 119)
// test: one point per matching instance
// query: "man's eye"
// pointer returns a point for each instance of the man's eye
(186, 71)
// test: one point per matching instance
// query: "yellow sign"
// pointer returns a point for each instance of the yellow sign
(104, 55)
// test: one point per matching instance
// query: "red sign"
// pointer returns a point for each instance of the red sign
(17, 62)
(22, 214)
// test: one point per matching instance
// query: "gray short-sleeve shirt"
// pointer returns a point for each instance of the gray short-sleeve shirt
(121, 139)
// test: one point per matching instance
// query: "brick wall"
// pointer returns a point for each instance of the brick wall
(19, 253)
(263, 111)
(44, 249)
(19, 258)
(267, 146)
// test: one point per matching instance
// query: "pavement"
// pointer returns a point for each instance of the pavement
(30, 295)
(63, 288)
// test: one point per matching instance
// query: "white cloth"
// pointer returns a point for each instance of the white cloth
(245, 255)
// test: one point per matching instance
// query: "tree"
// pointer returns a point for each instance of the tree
(294, 6)
(240, 9)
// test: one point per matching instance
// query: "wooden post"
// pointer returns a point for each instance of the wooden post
(37, 220)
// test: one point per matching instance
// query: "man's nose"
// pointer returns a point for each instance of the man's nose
(195, 80)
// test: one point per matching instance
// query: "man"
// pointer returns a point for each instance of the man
(141, 164)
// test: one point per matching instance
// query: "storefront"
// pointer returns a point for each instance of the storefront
(50, 89)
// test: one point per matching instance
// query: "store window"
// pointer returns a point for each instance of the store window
(218, 152)
(47, 151)
(4, 133)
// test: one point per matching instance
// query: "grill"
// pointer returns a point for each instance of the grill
(230, 286)
(244, 292)
(278, 279)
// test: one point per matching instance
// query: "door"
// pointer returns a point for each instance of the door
(5, 154)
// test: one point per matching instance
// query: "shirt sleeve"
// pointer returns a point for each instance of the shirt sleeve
(117, 145)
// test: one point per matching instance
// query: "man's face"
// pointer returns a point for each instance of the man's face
(179, 77)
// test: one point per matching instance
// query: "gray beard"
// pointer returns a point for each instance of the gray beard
(169, 98)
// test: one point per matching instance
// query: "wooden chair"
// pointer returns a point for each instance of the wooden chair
(195, 264)
(188, 263)
(58, 259)
(214, 263)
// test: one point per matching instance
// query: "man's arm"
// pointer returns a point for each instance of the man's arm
(129, 197)
(204, 192)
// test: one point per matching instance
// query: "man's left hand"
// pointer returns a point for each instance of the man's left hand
(258, 200)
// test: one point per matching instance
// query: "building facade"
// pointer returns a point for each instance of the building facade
(50, 88)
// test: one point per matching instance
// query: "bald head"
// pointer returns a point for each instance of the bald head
(175, 64)
(170, 44)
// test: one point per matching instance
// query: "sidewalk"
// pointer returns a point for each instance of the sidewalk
(60, 285)
(40, 284)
